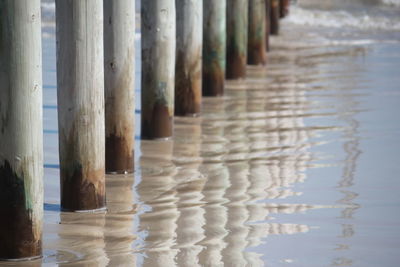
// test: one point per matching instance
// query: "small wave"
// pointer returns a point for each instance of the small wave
(340, 19)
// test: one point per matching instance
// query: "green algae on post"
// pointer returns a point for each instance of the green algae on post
(158, 67)
(236, 50)
(80, 95)
(256, 48)
(119, 71)
(214, 47)
(21, 130)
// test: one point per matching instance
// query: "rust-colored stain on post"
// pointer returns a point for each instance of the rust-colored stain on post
(158, 124)
(89, 192)
(158, 22)
(119, 71)
(119, 152)
(189, 45)
(274, 17)
(214, 47)
(256, 53)
(82, 183)
(18, 238)
(187, 86)
(237, 26)
(283, 8)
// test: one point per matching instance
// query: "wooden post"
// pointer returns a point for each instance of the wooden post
(236, 50)
(256, 52)
(189, 46)
(119, 71)
(283, 8)
(21, 130)
(158, 22)
(80, 91)
(214, 47)
(267, 23)
(274, 15)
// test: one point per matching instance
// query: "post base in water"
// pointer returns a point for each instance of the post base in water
(22, 259)
(120, 172)
(99, 210)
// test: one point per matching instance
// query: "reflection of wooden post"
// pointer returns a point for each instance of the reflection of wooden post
(157, 191)
(214, 47)
(274, 15)
(80, 82)
(236, 48)
(21, 146)
(267, 23)
(82, 234)
(256, 51)
(119, 221)
(158, 67)
(190, 182)
(189, 43)
(119, 65)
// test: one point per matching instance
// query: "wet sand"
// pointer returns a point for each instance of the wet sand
(296, 165)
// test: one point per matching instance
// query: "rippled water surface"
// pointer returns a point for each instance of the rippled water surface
(297, 165)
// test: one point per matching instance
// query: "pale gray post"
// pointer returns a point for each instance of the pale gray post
(189, 46)
(21, 130)
(256, 51)
(214, 47)
(119, 74)
(236, 42)
(158, 67)
(80, 88)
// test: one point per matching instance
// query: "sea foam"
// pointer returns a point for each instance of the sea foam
(339, 19)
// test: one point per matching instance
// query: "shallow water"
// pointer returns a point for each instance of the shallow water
(296, 165)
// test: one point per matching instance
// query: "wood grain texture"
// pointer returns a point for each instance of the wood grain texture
(119, 73)
(21, 130)
(158, 22)
(80, 93)
(214, 47)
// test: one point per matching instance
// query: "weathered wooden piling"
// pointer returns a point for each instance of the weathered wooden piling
(80, 93)
(256, 52)
(236, 50)
(189, 46)
(214, 47)
(21, 130)
(274, 17)
(283, 8)
(267, 23)
(158, 23)
(119, 71)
